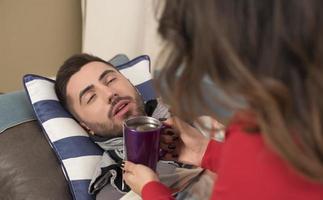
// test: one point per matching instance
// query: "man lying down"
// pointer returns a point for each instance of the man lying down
(100, 98)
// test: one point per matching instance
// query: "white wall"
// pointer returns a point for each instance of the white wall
(120, 26)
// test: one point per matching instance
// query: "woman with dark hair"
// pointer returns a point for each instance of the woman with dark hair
(257, 65)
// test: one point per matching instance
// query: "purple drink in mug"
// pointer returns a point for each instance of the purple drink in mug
(141, 140)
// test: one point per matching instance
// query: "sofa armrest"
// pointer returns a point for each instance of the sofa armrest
(29, 168)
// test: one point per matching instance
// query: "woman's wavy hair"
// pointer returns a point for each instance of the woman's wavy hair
(270, 52)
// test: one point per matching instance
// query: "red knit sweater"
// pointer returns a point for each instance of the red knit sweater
(247, 170)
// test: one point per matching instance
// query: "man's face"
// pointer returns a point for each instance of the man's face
(102, 98)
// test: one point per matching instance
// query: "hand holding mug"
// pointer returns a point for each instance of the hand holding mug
(137, 176)
(186, 144)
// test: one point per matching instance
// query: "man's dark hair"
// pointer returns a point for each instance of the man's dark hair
(68, 69)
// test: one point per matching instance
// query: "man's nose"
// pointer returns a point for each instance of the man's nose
(107, 95)
(112, 97)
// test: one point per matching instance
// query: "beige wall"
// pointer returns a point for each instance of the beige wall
(35, 37)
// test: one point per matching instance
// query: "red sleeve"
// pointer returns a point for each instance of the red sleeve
(156, 190)
(212, 155)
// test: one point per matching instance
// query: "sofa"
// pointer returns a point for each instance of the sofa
(29, 168)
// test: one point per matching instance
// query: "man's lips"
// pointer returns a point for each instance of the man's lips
(120, 108)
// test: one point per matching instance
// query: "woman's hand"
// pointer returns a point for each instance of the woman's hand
(182, 142)
(137, 176)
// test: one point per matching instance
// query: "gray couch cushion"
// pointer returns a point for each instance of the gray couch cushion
(29, 169)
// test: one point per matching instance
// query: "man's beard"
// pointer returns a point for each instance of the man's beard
(112, 128)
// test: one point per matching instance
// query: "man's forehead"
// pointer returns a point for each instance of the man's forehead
(91, 71)
(87, 75)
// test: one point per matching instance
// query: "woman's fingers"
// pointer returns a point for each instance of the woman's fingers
(168, 148)
(137, 175)
(167, 138)
(173, 156)
(168, 141)
(169, 122)
(129, 167)
(171, 149)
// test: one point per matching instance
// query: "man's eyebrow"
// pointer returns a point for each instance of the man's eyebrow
(85, 90)
(105, 73)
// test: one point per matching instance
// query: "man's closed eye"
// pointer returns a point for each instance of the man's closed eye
(109, 81)
(91, 99)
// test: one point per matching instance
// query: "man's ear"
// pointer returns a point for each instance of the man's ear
(87, 128)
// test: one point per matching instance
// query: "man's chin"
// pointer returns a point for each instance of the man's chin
(117, 128)
(117, 131)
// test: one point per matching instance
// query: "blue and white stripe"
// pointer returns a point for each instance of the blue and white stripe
(77, 153)
(139, 73)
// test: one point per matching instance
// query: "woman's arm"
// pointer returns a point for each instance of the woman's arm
(212, 156)
(156, 190)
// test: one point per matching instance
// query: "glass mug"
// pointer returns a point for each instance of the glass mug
(141, 137)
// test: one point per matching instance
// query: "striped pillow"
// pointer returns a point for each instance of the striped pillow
(77, 154)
